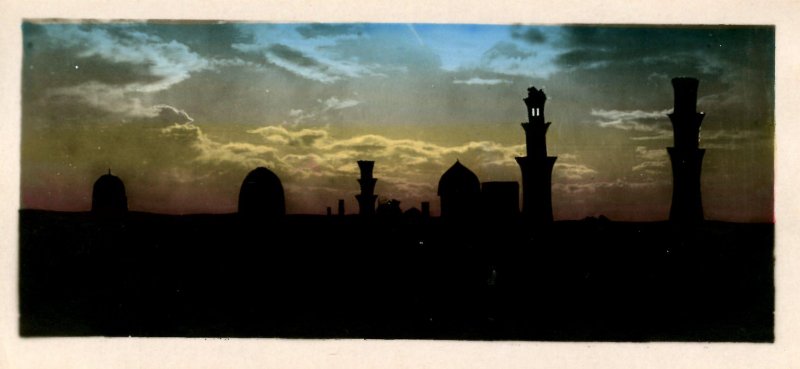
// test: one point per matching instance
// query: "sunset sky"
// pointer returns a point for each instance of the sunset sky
(183, 111)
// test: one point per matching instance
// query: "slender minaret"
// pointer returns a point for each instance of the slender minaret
(366, 199)
(686, 156)
(537, 167)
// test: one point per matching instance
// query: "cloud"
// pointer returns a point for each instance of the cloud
(314, 67)
(530, 35)
(481, 81)
(210, 151)
(125, 101)
(723, 139)
(314, 160)
(171, 61)
(113, 68)
(630, 115)
(619, 43)
(598, 46)
(384, 53)
(314, 152)
(730, 135)
(336, 104)
(663, 135)
(320, 166)
(651, 154)
(169, 114)
(649, 166)
(327, 30)
(184, 132)
(507, 50)
(331, 104)
(419, 153)
(638, 61)
(573, 171)
(513, 59)
(594, 187)
(568, 168)
(212, 40)
(588, 58)
(291, 55)
(300, 64)
(281, 135)
(649, 55)
(653, 161)
(653, 122)
(567, 157)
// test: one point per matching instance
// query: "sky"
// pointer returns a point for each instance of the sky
(182, 111)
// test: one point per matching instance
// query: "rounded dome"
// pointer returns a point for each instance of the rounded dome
(262, 194)
(108, 194)
(458, 180)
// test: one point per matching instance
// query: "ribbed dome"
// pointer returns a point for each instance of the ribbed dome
(458, 180)
(262, 194)
(108, 194)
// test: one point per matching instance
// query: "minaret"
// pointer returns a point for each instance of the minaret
(366, 199)
(686, 156)
(537, 167)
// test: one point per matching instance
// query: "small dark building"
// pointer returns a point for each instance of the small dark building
(262, 194)
(459, 192)
(389, 208)
(413, 213)
(426, 209)
(108, 195)
(500, 199)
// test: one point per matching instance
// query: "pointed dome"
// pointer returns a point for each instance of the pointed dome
(458, 180)
(108, 195)
(262, 194)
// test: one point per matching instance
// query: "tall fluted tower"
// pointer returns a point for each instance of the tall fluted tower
(686, 156)
(366, 199)
(536, 167)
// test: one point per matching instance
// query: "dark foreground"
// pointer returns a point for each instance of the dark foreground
(342, 277)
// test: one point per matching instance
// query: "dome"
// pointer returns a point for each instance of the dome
(108, 194)
(262, 194)
(458, 180)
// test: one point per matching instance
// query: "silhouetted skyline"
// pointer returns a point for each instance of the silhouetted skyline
(182, 114)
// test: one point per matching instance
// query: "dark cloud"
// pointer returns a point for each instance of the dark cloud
(506, 50)
(301, 64)
(207, 39)
(93, 72)
(631, 67)
(531, 35)
(64, 67)
(588, 45)
(293, 56)
(328, 30)
(49, 64)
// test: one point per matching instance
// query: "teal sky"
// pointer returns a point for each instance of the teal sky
(182, 111)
